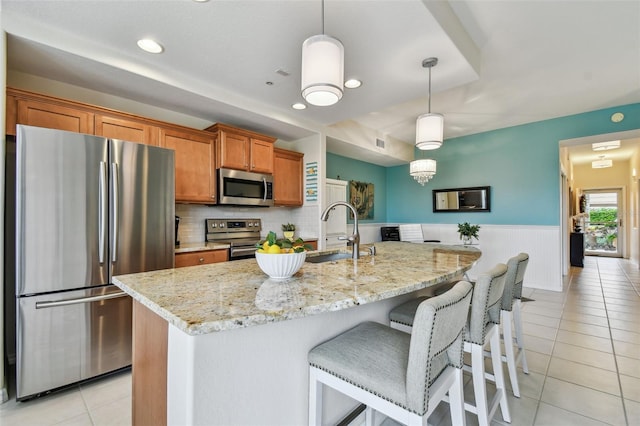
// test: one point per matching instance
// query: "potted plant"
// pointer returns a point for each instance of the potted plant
(288, 230)
(468, 231)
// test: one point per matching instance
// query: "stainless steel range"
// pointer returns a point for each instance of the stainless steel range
(241, 234)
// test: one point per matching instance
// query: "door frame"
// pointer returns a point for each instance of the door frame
(634, 233)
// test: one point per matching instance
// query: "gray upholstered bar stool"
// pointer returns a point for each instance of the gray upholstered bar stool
(511, 315)
(482, 328)
(399, 375)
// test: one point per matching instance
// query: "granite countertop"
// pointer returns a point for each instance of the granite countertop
(200, 246)
(229, 295)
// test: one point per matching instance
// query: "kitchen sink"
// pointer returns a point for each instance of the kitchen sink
(330, 257)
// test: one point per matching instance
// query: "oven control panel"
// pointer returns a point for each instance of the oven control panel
(229, 229)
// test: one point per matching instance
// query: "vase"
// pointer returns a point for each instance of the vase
(466, 239)
(289, 235)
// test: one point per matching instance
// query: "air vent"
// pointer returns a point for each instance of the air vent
(380, 143)
(282, 72)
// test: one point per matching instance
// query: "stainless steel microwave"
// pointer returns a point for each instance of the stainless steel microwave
(240, 188)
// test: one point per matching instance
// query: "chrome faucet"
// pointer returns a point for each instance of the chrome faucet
(353, 239)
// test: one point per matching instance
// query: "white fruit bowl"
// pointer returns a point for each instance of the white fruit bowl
(280, 266)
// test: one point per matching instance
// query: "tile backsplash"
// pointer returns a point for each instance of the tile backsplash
(192, 217)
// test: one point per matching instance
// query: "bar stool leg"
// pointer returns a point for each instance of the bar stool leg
(517, 319)
(479, 385)
(369, 416)
(456, 400)
(315, 400)
(496, 361)
(507, 332)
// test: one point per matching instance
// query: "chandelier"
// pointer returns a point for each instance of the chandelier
(422, 170)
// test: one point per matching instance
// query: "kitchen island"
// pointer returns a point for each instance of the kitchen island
(223, 344)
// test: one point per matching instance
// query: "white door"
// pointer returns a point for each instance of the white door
(603, 231)
(336, 225)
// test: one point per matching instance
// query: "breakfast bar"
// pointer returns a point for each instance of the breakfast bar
(224, 344)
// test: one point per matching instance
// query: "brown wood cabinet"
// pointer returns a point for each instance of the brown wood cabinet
(195, 176)
(241, 149)
(52, 116)
(233, 151)
(201, 257)
(149, 378)
(287, 177)
(198, 152)
(261, 156)
(313, 244)
(126, 129)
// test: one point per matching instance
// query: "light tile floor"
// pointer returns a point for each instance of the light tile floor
(106, 401)
(583, 349)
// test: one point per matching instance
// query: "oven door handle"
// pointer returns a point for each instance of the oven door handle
(241, 251)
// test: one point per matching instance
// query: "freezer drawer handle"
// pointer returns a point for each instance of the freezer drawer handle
(42, 305)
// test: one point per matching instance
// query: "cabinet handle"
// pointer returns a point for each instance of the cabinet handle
(201, 260)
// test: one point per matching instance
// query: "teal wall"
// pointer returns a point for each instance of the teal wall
(344, 168)
(521, 164)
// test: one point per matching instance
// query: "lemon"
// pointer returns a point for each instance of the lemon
(274, 249)
(261, 251)
(265, 245)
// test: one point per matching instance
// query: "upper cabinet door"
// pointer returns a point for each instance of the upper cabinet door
(195, 177)
(126, 130)
(261, 156)
(287, 178)
(51, 116)
(233, 152)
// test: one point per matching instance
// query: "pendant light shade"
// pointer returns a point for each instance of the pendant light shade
(429, 126)
(422, 170)
(429, 131)
(322, 70)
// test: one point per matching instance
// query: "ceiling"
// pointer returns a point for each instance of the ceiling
(501, 63)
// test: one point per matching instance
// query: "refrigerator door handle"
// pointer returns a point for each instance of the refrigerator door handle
(42, 305)
(102, 207)
(116, 208)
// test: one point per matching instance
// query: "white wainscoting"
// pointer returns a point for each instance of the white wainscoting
(369, 232)
(498, 243)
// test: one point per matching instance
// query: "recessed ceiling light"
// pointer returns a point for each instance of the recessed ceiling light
(150, 46)
(299, 105)
(352, 83)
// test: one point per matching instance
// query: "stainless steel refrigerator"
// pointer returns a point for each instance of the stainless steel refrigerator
(87, 208)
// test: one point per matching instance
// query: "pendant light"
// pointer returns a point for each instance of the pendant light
(322, 69)
(429, 126)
